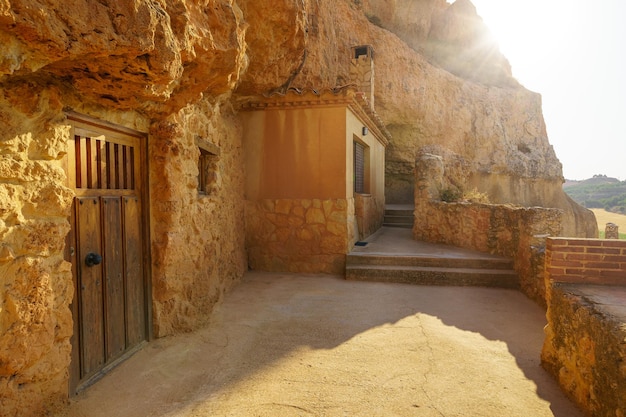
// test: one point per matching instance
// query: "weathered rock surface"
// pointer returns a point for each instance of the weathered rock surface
(451, 36)
(197, 239)
(164, 68)
(35, 321)
(440, 82)
(584, 348)
(151, 56)
(479, 113)
(169, 68)
(585, 344)
(476, 116)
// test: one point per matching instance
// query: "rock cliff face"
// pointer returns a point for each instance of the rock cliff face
(148, 55)
(440, 79)
(163, 68)
(171, 69)
(441, 86)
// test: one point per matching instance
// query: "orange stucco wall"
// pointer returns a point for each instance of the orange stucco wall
(295, 153)
(300, 209)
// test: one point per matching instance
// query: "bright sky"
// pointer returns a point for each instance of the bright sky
(573, 53)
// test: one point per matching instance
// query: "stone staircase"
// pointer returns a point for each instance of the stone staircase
(391, 255)
(398, 216)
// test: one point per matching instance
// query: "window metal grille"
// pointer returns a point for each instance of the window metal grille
(359, 168)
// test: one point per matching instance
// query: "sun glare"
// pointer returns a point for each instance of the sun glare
(571, 53)
(524, 29)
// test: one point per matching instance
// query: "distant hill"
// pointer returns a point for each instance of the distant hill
(598, 192)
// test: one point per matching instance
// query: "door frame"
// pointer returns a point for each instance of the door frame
(80, 120)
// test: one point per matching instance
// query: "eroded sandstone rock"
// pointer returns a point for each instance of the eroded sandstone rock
(440, 81)
(145, 55)
(197, 239)
(169, 69)
(584, 349)
(35, 319)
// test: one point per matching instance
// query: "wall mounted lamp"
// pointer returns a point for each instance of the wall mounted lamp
(365, 130)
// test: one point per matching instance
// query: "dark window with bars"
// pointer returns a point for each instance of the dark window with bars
(104, 165)
(359, 168)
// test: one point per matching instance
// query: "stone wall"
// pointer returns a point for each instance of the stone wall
(300, 235)
(441, 170)
(514, 232)
(197, 239)
(584, 347)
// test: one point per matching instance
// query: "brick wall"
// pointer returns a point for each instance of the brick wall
(591, 261)
(583, 348)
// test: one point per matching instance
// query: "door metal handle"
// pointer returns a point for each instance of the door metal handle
(92, 259)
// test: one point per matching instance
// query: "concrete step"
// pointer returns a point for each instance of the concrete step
(402, 225)
(398, 219)
(423, 275)
(486, 263)
(398, 212)
(391, 255)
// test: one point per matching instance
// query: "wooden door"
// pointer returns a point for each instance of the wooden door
(106, 248)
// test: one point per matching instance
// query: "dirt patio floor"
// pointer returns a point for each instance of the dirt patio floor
(314, 345)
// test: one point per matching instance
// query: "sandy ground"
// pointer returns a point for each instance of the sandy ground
(297, 345)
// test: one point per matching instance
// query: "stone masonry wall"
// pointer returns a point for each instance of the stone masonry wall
(197, 240)
(585, 347)
(515, 232)
(309, 236)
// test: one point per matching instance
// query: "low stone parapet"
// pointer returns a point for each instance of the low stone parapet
(518, 233)
(585, 345)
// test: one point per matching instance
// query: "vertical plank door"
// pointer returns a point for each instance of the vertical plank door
(104, 168)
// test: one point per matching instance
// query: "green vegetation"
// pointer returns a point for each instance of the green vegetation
(599, 192)
(601, 235)
(450, 195)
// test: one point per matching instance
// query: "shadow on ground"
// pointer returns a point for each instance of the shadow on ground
(294, 345)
